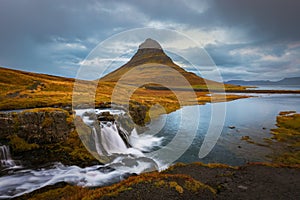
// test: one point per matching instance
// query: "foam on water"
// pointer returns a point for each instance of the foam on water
(108, 142)
(6, 160)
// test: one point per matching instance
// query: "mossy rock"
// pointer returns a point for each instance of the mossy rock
(20, 145)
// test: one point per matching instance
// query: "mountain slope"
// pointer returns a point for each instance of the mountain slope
(151, 64)
(24, 89)
(19, 89)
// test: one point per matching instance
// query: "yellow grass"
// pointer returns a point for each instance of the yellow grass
(29, 90)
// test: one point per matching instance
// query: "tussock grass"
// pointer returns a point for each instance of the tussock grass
(287, 136)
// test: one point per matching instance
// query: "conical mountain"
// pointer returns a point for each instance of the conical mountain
(151, 65)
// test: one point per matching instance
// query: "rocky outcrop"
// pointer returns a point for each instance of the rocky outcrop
(36, 126)
(138, 112)
(43, 135)
(106, 116)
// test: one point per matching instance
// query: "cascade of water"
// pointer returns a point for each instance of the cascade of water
(111, 140)
(5, 157)
(97, 142)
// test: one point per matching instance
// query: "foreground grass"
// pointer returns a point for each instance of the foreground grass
(190, 181)
(287, 136)
(173, 184)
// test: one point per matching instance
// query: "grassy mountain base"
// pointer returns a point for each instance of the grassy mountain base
(21, 90)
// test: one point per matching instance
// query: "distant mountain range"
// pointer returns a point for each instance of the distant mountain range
(285, 81)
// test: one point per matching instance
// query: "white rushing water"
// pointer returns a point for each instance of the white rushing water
(108, 142)
(5, 158)
(254, 117)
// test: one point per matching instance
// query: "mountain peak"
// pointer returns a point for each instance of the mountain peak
(150, 63)
(150, 44)
(150, 51)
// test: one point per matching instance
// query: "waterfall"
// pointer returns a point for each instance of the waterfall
(5, 157)
(122, 152)
(97, 142)
(109, 140)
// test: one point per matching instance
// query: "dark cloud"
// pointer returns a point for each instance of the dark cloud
(54, 36)
(267, 19)
(31, 31)
(252, 60)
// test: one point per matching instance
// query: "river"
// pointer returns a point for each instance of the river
(253, 117)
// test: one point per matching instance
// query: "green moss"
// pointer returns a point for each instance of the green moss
(59, 193)
(74, 148)
(46, 109)
(209, 165)
(148, 180)
(194, 186)
(288, 158)
(160, 183)
(289, 121)
(20, 145)
(48, 121)
(176, 186)
(246, 137)
(287, 136)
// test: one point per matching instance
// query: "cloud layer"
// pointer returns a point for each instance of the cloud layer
(258, 39)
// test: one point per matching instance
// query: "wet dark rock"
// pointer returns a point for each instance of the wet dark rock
(138, 112)
(106, 169)
(90, 115)
(125, 136)
(125, 121)
(42, 136)
(35, 127)
(106, 116)
(103, 105)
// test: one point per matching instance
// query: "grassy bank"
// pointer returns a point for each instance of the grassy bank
(287, 137)
(190, 181)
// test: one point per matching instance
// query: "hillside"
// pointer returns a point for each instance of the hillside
(21, 89)
(151, 64)
(24, 89)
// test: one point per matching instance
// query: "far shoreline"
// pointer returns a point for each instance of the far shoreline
(226, 90)
(264, 91)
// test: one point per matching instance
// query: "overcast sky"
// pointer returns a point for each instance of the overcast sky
(247, 39)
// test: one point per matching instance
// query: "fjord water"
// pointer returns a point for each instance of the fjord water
(253, 117)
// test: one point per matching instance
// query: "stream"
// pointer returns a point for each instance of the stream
(253, 117)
